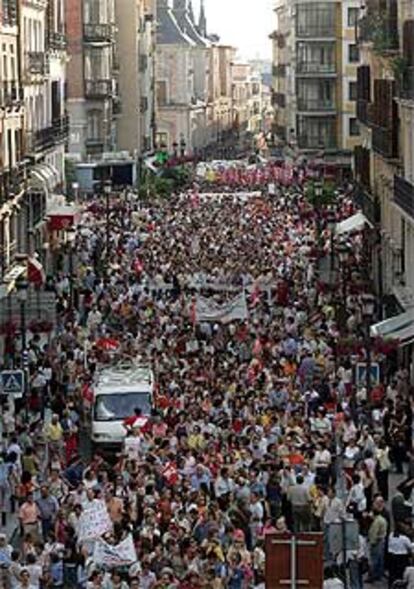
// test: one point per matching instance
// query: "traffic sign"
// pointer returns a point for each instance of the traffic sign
(12, 383)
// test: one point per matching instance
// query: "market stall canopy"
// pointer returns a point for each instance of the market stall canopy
(400, 327)
(62, 217)
(354, 223)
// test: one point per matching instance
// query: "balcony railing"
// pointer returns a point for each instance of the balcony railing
(362, 111)
(315, 67)
(9, 12)
(98, 32)
(60, 128)
(98, 88)
(279, 70)
(407, 83)
(384, 141)
(404, 195)
(12, 182)
(316, 31)
(43, 139)
(317, 142)
(95, 145)
(57, 40)
(37, 63)
(10, 93)
(315, 104)
(279, 99)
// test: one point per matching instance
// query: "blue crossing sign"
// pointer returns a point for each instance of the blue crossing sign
(12, 383)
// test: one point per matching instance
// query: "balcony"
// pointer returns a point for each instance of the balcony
(315, 142)
(316, 68)
(385, 141)
(315, 105)
(404, 195)
(57, 40)
(97, 32)
(9, 13)
(10, 93)
(362, 111)
(407, 84)
(12, 182)
(99, 89)
(94, 145)
(44, 139)
(60, 127)
(279, 70)
(37, 63)
(316, 31)
(279, 99)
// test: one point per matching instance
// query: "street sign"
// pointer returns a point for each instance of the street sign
(361, 374)
(12, 383)
(294, 561)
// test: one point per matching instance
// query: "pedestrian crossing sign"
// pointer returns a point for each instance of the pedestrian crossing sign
(12, 383)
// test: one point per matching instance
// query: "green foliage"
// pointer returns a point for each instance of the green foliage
(155, 187)
(179, 175)
(320, 198)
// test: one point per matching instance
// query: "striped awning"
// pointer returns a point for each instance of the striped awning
(400, 327)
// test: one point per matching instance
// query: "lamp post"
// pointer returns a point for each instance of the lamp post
(22, 287)
(175, 148)
(368, 310)
(107, 191)
(183, 145)
(70, 240)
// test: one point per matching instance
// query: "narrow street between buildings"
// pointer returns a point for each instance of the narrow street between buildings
(211, 380)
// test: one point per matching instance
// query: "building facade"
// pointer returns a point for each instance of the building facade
(135, 110)
(34, 124)
(315, 56)
(196, 115)
(384, 163)
(92, 83)
(13, 171)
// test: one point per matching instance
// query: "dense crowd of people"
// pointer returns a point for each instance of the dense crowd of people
(257, 425)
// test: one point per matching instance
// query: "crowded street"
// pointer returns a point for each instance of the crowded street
(245, 417)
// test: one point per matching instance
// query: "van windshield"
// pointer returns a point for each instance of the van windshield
(119, 406)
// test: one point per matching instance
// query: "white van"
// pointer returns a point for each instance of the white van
(117, 391)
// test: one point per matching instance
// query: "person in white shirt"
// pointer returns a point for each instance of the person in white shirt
(332, 581)
(399, 554)
(356, 499)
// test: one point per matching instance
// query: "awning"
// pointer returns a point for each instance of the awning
(62, 217)
(400, 327)
(9, 280)
(354, 223)
(35, 272)
(404, 295)
(43, 178)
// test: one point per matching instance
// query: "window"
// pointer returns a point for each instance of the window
(161, 140)
(95, 120)
(352, 91)
(353, 127)
(162, 93)
(353, 53)
(353, 14)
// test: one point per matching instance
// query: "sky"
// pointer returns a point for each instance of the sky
(246, 24)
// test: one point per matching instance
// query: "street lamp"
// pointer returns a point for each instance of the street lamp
(22, 287)
(182, 146)
(175, 148)
(368, 310)
(70, 240)
(107, 192)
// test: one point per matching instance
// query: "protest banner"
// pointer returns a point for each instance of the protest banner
(208, 310)
(94, 521)
(110, 556)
